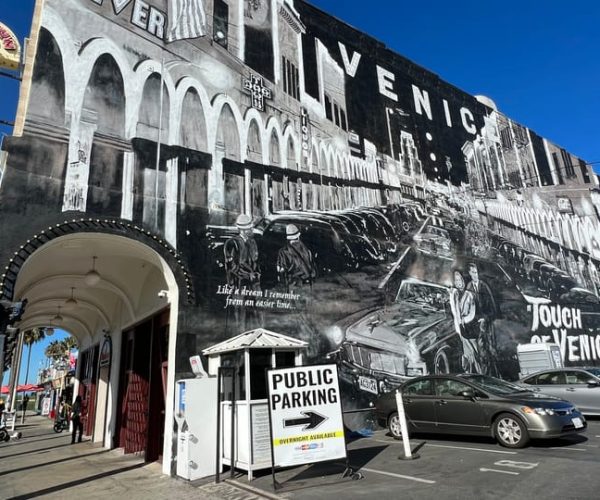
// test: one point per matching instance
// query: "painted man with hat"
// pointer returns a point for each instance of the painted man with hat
(241, 256)
(295, 264)
(242, 264)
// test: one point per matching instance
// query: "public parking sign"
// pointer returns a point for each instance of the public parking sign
(306, 415)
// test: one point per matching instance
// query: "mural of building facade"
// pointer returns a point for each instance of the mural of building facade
(314, 182)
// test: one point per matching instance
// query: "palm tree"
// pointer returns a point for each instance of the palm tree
(58, 350)
(31, 337)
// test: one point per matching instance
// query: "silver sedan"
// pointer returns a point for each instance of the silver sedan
(580, 386)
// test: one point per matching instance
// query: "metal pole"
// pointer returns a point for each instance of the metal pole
(15, 369)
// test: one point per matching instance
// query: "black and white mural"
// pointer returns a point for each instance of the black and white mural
(318, 185)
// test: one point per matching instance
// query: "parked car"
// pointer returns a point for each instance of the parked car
(379, 348)
(435, 241)
(581, 386)
(479, 405)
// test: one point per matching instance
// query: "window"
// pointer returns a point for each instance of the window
(419, 388)
(328, 108)
(577, 377)
(506, 138)
(450, 388)
(343, 119)
(336, 114)
(291, 80)
(551, 378)
(584, 172)
(221, 23)
(569, 169)
(558, 168)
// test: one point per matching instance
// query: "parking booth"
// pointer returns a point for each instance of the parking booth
(241, 363)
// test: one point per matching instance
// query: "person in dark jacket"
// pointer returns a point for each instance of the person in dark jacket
(295, 264)
(76, 410)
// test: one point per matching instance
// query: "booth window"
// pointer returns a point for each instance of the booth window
(285, 359)
(260, 361)
(233, 360)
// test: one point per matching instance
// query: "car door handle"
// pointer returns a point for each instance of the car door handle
(442, 402)
(570, 389)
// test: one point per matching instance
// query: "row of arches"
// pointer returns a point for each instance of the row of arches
(101, 85)
(572, 231)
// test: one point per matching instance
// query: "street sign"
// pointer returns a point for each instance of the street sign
(306, 415)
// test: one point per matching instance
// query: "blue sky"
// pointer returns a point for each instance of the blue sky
(38, 360)
(538, 60)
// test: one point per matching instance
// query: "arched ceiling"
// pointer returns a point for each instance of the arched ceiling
(131, 274)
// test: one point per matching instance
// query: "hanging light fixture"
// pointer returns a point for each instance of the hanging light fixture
(92, 278)
(72, 302)
(58, 317)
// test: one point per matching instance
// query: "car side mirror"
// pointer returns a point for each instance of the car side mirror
(468, 394)
(593, 383)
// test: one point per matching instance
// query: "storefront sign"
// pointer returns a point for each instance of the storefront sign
(305, 129)
(257, 90)
(10, 50)
(106, 352)
(306, 415)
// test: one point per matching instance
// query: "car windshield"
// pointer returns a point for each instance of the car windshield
(421, 293)
(495, 385)
(593, 371)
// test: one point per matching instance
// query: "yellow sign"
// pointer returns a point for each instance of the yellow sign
(10, 50)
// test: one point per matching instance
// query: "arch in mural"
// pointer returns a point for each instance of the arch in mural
(47, 101)
(193, 132)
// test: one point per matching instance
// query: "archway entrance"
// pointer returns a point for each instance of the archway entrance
(125, 322)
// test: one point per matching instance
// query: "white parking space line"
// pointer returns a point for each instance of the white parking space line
(512, 473)
(472, 449)
(400, 476)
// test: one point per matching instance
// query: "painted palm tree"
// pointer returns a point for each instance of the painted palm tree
(31, 337)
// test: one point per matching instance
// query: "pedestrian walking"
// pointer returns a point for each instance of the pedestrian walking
(76, 419)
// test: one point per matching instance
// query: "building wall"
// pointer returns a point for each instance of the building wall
(182, 137)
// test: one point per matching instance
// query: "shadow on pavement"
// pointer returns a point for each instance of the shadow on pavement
(74, 457)
(77, 482)
(37, 450)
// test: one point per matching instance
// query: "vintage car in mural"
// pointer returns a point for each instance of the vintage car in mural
(435, 241)
(379, 349)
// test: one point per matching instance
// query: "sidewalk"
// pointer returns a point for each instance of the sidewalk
(44, 464)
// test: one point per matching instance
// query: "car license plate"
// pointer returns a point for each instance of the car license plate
(368, 384)
(577, 422)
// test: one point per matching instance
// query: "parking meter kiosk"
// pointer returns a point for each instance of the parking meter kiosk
(244, 391)
(196, 417)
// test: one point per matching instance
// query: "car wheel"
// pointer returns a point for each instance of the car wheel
(441, 363)
(394, 425)
(510, 431)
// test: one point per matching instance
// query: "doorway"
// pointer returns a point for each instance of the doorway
(142, 388)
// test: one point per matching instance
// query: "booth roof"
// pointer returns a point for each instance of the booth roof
(256, 339)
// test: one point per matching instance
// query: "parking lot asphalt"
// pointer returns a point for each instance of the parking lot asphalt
(452, 467)
(45, 465)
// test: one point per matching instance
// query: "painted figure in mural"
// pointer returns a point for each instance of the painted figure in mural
(482, 327)
(295, 263)
(241, 263)
(462, 305)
